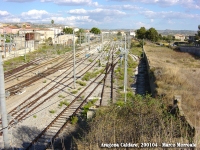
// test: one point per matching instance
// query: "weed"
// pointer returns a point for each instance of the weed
(52, 111)
(34, 116)
(81, 83)
(61, 96)
(74, 92)
(74, 120)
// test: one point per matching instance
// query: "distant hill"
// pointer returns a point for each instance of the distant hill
(172, 32)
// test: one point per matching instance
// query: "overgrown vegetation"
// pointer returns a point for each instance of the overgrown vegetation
(74, 120)
(90, 75)
(176, 73)
(43, 50)
(52, 111)
(140, 119)
(81, 83)
(87, 107)
(65, 102)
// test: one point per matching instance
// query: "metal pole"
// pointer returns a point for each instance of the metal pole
(125, 70)
(3, 107)
(89, 42)
(74, 60)
(5, 44)
(80, 38)
(25, 44)
(10, 44)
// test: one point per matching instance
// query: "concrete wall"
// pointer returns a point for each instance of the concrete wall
(192, 50)
(151, 76)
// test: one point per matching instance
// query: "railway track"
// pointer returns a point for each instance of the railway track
(13, 71)
(49, 134)
(20, 112)
(19, 87)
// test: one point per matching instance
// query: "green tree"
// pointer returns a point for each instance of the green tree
(141, 33)
(197, 36)
(80, 34)
(52, 22)
(68, 30)
(152, 34)
(95, 30)
(119, 34)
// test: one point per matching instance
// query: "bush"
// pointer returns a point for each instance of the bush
(74, 92)
(81, 83)
(52, 111)
(74, 119)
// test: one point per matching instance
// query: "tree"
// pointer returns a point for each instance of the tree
(52, 22)
(197, 36)
(80, 34)
(68, 30)
(95, 30)
(141, 33)
(152, 34)
(119, 34)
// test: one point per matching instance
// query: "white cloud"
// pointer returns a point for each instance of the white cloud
(195, 4)
(4, 13)
(73, 2)
(99, 14)
(7, 17)
(98, 11)
(139, 24)
(34, 14)
(19, 1)
(75, 20)
(169, 15)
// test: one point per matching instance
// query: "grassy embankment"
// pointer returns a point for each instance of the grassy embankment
(176, 73)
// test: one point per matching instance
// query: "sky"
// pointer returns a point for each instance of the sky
(105, 14)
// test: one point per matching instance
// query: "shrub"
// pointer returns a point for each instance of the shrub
(74, 119)
(81, 83)
(74, 92)
(52, 111)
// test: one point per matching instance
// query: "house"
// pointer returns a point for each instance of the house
(9, 30)
(44, 33)
(66, 39)
(56, 30)
(179, 37)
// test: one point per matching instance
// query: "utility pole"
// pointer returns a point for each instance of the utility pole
(74, 61)
(3, 107)
(80, 39)
(10, 44)
(125, 70)
(25, 44)
(89, 42)
(5, 44)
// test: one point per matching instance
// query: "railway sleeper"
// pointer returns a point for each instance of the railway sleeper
(61, 120)
(53, 130)
(55, 125)
(49, 133)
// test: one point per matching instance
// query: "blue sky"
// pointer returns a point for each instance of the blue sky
(105, 14)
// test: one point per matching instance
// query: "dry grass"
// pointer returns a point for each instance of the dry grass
(177, 73)
(147, 121)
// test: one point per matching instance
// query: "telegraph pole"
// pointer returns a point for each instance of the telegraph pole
(3, 106)
(125, 70)
(74, 61)
(5, 44)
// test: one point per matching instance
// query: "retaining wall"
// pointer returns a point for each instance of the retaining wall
(192, 50)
